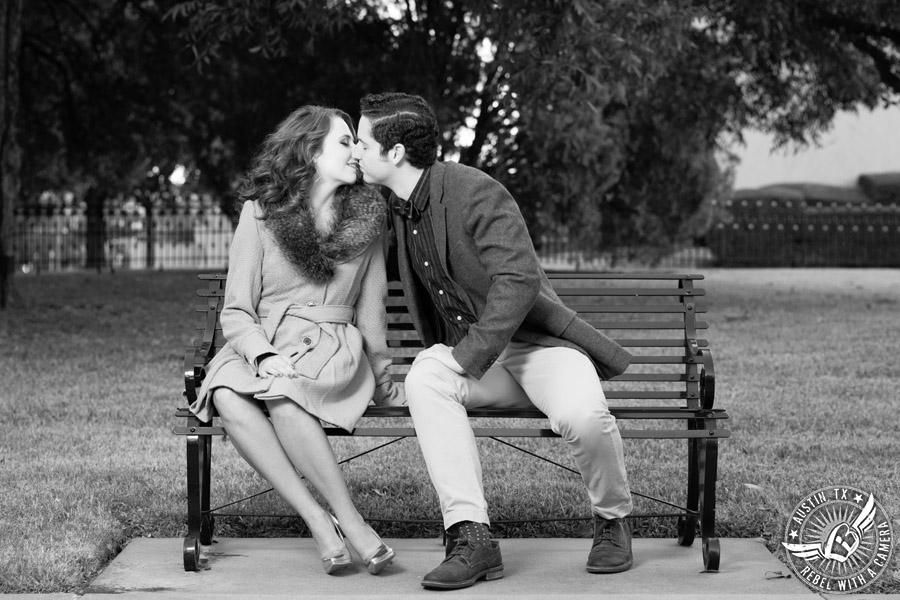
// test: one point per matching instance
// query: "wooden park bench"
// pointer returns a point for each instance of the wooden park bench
(667, 393)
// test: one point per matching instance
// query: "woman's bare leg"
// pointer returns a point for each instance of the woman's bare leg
(303, 439)
(256, 440)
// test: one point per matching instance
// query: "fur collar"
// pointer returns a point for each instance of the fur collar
(362, 213)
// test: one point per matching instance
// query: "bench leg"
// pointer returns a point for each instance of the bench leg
(194, 512)
(206, 519)
(709, 456)
(687, 525)
(199, 521)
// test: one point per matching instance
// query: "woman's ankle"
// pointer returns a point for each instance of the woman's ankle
(325, 533)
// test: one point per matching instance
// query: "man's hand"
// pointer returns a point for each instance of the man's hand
(443, 354)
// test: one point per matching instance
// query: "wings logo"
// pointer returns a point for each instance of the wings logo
(838, 540)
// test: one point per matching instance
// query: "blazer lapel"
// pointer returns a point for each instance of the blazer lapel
(439, 211)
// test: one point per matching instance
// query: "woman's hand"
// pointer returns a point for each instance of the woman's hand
(390, 394)
(277, 365)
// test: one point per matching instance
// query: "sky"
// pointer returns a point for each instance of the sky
(863, 143)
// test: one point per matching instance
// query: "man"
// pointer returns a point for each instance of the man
(496, 334)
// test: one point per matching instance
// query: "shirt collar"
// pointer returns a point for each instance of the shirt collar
(418, 200)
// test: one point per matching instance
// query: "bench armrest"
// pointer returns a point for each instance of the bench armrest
(191, 381)
(707, 379)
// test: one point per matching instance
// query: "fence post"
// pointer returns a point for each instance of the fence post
(95, 228)
(7, 265)
(151, 234)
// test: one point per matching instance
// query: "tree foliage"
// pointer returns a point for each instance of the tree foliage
(100, 100)
(541, 85)
(798, 63)
(100, 93)
(571, 73)
(601, 116)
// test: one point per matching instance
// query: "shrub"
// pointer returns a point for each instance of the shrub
(757, 228)
(805, 225)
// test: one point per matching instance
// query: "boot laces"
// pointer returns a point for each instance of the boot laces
(608, 532)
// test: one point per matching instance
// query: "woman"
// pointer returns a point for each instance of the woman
(305, 324)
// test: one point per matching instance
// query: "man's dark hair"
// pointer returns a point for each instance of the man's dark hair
(403, 119)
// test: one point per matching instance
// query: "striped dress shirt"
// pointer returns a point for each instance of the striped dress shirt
(445, 294)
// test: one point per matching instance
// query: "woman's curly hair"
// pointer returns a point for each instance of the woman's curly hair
(283, 169)
(403, 119)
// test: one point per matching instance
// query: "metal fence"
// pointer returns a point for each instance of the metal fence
(70, 239)
(775, 232)
(57, 239)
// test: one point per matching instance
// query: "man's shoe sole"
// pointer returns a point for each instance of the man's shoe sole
(614, 569)
(487, 574)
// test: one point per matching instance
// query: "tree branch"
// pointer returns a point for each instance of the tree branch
(842, 25)
(76, 10)
(485, 118)
(69, 129)
(883, 62)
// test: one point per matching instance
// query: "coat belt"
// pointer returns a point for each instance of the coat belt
(334, 313)
(322, 314)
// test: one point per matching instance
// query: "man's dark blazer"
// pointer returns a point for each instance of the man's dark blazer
(484, 245)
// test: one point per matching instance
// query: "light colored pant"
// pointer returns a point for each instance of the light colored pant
(561, 382)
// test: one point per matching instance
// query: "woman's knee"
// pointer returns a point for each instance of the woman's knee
(230, 405)
(285, 411)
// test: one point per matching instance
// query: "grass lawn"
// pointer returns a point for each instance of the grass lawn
(806, 363)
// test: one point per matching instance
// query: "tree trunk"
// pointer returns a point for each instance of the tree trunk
(10, 151)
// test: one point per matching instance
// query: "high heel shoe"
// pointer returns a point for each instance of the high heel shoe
(339, 558)
(378, 560)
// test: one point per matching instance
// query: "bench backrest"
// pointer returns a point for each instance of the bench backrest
(653, 315)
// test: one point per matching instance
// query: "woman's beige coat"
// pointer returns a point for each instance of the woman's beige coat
(334, 331)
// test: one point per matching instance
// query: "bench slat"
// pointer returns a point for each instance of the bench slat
(397, 304)
(400, 336)
(499, 432)
(603, 324)
(626, 412)
(639, 292)
(648, 308)
(555, 275)
(598, 323)
(654, 343)
(408, 333)
(399, 376)
(402, 355)
(661, 377)
(493, 432)
(644, 395)
(658, 343)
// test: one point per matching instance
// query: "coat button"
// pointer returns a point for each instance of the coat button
(307, 340)
(311, 303)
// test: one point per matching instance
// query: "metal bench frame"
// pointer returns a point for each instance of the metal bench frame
(689, 405)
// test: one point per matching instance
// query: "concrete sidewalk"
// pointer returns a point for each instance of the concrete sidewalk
(273, 569)
(278, 569)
